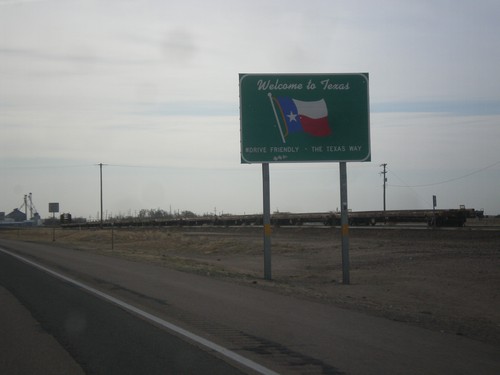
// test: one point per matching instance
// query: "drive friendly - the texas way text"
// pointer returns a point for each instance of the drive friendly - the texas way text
(293, 149)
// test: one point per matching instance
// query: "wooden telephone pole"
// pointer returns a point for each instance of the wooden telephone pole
(384, 172)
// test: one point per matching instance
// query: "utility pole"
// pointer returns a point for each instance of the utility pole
(100, 180)
(384, 172)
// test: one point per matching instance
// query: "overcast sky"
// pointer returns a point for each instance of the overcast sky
(150, 88)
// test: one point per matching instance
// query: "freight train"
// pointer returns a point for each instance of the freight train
(438, 218)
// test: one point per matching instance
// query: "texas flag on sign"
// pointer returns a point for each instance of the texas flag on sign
(300, 116)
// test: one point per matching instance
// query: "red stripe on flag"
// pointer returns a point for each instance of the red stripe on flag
(315, 126)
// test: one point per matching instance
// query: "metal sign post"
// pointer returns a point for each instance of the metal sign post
(434, 204)
(344, 223)
(54, 208)
(266, 220)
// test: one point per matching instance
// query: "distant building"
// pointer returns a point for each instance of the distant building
(2, 216)
(17, 215)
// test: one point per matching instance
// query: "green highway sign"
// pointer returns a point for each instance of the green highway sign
(304, 118)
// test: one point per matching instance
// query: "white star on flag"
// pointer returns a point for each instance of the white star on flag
(292, 116)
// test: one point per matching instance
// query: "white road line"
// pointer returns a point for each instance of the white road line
(170, 326)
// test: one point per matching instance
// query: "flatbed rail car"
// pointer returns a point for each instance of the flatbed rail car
(439, 218)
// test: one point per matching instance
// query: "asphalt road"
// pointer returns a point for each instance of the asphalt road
(101, 337)
(283, 333)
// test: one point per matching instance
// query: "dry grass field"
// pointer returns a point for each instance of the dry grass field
(445, 279)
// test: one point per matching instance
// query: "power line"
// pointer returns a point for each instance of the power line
(417, 195)
(449, 180)
(45, 166)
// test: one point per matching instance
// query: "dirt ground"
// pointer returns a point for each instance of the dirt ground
(444, 279)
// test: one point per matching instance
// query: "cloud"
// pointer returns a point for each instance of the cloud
(463, 107)
(15, 2)
(179, 46)
(204, 108)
